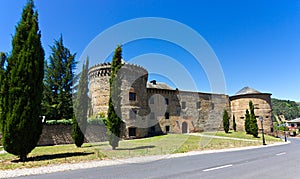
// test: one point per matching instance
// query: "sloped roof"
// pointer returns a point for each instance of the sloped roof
(247, 90)
(159, 85)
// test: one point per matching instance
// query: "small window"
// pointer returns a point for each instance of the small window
(198, 105)
(167, 101)
(167, 129)
(183, 105)
(167, 115)
(132, 96)
(132, 132)
(152, 129)
(152, 115)
(152, 100)
(212, 106)
(132, 113)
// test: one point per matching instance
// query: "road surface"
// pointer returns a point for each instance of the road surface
(268, 162)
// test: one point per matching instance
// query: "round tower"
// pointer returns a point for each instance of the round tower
(133, 95)
(262, 107)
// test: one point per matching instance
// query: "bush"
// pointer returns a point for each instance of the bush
(96, 121)
(58, 122)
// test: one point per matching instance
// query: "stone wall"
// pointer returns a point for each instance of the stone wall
(62, 134)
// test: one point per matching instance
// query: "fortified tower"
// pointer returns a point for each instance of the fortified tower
(134, 100)
(262, 107)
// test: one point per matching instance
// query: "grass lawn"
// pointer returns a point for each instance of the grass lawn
(243, 135)
(166, 144)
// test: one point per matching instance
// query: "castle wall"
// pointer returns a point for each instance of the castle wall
(156, 110)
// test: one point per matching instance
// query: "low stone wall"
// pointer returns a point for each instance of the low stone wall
(62, 134)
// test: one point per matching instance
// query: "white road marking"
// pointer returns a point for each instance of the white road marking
(217, 168)
(283, 153)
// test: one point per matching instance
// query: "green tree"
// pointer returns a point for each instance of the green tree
(81, 107)
(114, 123)
(234, 123)
(247, 122)
(226, 121)
(23, 87)
(253, 122)
(58, 82)
(3, 60)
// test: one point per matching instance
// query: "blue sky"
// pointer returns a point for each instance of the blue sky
(257, 42)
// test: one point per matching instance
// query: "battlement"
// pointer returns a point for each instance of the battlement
(104, 69)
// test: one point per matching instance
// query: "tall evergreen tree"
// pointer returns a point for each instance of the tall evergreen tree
(253, 121)
(234, 123)
(226, 121)
(3, 60)
(114, 123)
(247, 122)
(58, 82)
(81, 107)
(23, 87)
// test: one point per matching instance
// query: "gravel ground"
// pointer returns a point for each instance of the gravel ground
(92, 164)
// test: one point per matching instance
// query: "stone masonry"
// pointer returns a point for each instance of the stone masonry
(152, 108)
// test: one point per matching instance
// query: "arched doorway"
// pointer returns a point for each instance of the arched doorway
(184, 127)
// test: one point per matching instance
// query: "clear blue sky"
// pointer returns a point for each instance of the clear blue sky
(257, 42)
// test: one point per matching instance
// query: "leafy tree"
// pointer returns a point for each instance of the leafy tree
(114, 123)
(253, 121)
(247, 122)
(21, 91)
(225, 121)
(290, 109)
(234, 124)
(58, 82)
(81, 107)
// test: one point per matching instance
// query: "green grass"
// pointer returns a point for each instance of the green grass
(159, 145)
(243, 135)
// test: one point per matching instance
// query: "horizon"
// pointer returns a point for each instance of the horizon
(256, 42)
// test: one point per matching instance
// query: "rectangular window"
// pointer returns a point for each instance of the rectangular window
(183, 105)
(167, 129)
(132, 132)
(167, 115)
(167, 101)
(212, 106)
(152, 129)
(132, 96)
(198, 105)
(152, 100)
(152, 115)
(132, 113)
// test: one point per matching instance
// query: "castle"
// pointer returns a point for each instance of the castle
(152, 108)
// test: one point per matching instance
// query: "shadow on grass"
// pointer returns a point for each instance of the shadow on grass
(137, 148)
(55, 156)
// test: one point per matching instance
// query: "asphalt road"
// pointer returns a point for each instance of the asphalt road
(268, 162)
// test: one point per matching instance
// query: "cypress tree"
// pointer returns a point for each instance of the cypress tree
(23, 87)
(253, 121)
(234, 123)
(247, 122)
(3, 60)
(59, 80)
(225, 121)
(114, 123)
(81, 107)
